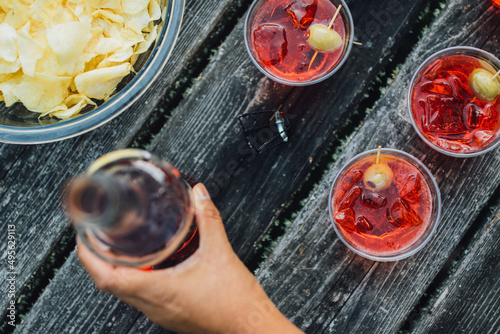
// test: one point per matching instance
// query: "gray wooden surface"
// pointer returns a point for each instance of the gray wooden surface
(311, 276)
(470, 297)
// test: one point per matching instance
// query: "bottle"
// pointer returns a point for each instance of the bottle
(133, 209)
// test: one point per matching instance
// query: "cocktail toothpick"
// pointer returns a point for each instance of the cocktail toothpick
(496, 75)
(329, 27)
(378, 155)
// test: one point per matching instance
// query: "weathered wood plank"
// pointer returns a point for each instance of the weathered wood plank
(307, 275)
(204, 141)
(469, 301)
(33, 176)
(8, 157)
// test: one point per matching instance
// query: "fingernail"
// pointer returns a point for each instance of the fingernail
(201, 193)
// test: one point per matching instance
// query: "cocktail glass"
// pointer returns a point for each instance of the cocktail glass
(385, 207)
(297, 42)
(453, 101)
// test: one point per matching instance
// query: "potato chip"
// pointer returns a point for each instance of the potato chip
(8, 43)
(118, 57)
(38, 93)
(150, 39)
(132, 7)
(137, 22)
(30, 50)
(9, 67)
(100, 83)
(108, 16)
(104, 45)
(58, 55)
(92, 5)
(154, 10)
(68, 40)
(72, 105)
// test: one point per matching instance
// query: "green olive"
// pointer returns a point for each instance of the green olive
(378, 177)
(483, 85)
(323, 39)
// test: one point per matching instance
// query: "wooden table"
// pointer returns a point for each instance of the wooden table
(274, 205)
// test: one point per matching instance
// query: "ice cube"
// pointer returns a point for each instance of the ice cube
(302, 12)
(442, 116)
(438, 86)
(350, 179)
(363, 225)
(459, 83)
(345, 218)
(456, 75)
(350, 198)
(481, 137)
(373, 200)
(270, 43)
(432, 70)
(453, 145)
(402, 214)
(411, 188)
(474, 115)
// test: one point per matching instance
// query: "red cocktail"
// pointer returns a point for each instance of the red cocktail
(454, 101)
(384, 207)
(298, 42)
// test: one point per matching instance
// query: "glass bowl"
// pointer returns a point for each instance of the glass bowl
(321, 67)
(445, 141)
(383, 226)
(20, 126)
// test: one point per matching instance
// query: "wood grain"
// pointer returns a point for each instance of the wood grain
(469, 301)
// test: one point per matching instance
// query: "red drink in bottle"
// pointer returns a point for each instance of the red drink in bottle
(384, 207)
(283, 37)
(133, 209)
(454, 101)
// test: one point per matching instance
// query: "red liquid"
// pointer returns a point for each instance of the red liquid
(279, 33)
(382, 222)
(496, 3)
(188, 247)
(155, 211)
(446, 110)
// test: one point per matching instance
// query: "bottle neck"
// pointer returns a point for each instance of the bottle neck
(99, 201)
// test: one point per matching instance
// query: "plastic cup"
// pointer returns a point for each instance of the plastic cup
(470, 138)
(276, 38)
(393, 236)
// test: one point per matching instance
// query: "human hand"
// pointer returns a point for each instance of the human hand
(210, 292)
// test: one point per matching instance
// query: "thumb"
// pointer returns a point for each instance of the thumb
(208, 218)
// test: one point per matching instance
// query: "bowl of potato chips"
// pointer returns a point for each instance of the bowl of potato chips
(70, 66)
